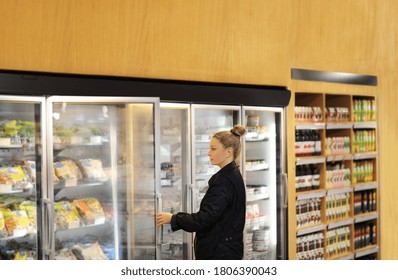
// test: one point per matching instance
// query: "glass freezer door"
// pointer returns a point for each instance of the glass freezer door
(103, 177)
(207, 120)
(264, 165)
(21, 177)
(175, 176)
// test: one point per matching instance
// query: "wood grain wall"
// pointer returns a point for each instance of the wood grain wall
(237, 41)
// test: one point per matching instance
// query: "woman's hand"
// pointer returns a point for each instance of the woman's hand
(163, 218)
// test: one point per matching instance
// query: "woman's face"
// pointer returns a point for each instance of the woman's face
(218, 154)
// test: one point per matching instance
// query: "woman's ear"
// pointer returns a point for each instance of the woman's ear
(229, 152)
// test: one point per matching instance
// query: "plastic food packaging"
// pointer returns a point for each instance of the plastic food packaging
(30, 167)
(18, 177)
(66, 215)
(3, 232)
(67, 169)
(90, 211)
(30, 208)
(17, 223)
(92, 169)
(65, 254)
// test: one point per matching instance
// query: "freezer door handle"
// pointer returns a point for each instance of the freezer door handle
(49, 206)
(284, 185)
(193, 197)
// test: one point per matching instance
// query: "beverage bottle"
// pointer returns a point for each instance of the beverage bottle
(316, 177)
(308, 177)
(354, 110)
(370, 201)
(312, 137)
(299, 177)
(297, 147)
(307, 136)
(303, 141)
(318, 144)
(373, 118)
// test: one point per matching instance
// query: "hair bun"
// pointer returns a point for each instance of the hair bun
(238, 130)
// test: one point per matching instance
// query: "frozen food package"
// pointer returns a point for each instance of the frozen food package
(91, 251)
(19, 179)
(64, 254)
(109, 250)
(249, 212)
(30, 208)
(25, 255)
(55, 178)
(3, 231)
(256, 210)
(30, 167)
(66, 215)
(92, 169)
(5, 183)
(90, 210)
(17, 222)
(67, 169)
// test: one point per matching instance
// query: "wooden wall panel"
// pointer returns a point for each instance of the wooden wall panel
(193, 40)
(239, 41)
(388, 128)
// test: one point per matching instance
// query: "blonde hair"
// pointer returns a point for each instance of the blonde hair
(231, 139)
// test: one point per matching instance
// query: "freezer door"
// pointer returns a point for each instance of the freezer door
(264, 158)
(175, 177)
(21, 177)
(207, 120)
(103, 177)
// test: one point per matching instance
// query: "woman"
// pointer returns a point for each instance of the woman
(220, 221)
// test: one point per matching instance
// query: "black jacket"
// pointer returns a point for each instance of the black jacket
(220, 221)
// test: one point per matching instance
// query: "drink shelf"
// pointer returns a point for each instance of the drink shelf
(311, 194)
(311, 229)
(340, 190)
(360, 125)
(366, 186)
(339, 125)
(370, 155)
(366, 217)
(342, 256)
(366, 251)
(340, 223)
(310, 160)
(342, 157)
(343, 125)
(313, 126)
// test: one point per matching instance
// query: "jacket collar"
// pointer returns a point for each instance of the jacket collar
(229, 167)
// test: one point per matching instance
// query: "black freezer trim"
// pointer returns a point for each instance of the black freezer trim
(47, 84)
